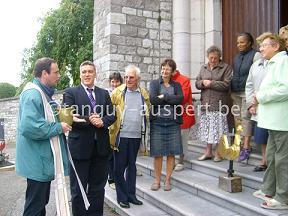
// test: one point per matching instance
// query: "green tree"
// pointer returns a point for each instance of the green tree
(7, 90)
(66, 35)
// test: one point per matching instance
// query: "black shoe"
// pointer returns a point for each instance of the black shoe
(135, 201)
(124, 204)
(260, 168)
(111, 181)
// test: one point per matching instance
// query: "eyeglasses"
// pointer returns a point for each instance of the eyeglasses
(263, 45)
(129, 77)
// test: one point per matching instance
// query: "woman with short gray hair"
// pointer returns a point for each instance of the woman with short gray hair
(214, 49)
(214, 82)
(271, 101)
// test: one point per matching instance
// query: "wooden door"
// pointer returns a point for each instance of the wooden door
(253, 16)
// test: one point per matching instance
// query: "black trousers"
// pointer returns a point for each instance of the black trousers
(93, 174)
(125, 162)
(111, 170)
(37, 197)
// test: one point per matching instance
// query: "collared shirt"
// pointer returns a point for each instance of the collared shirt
(87, 92)
(136, 90)
(132, 118)
(110, 90)
(220, 66)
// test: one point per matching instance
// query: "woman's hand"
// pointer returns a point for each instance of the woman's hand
(253, 110)
(206, 83)
(254, 100)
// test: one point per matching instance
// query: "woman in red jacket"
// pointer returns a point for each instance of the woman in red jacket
(188, 114)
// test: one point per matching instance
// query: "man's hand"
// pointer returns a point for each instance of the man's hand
(96, 120)
(77, 119)
(161, 96)
(65, 127)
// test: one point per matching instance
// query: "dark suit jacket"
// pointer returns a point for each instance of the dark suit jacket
(81, 138)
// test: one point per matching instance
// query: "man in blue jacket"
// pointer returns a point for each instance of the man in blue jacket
(38, 128)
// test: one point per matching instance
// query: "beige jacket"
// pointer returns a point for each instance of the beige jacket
(117, 98)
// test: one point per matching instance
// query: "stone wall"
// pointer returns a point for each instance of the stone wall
(8, 111)
(131, 32)
(141, 32)
(9, 108)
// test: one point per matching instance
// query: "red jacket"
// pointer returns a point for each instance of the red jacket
(188, 114)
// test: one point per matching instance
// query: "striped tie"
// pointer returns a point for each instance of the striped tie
(91, 98)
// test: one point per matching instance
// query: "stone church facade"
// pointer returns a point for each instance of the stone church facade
(144, 32)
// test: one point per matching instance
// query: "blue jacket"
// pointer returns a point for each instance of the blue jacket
(34, 157)
(241, 66)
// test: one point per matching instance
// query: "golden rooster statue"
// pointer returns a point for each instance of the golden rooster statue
(230, 152)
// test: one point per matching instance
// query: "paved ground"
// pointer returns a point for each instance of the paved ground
(12, 193)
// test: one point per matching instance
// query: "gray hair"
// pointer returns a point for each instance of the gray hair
(259, 39)
(135, 68)
(214, 49)
(87, 63)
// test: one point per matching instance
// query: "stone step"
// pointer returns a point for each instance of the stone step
(178, 202)
(197, 146)
(245, 171)
(146, 209)
(206, 187)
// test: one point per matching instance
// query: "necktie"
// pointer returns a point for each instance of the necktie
(91, 98)
(93, 104)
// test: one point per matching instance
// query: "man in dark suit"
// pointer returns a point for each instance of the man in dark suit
(89, 141)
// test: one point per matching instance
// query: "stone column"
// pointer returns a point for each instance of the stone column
(102, 29)
(181, 35)
(206, 30)
(213, 23)
(197, 25)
